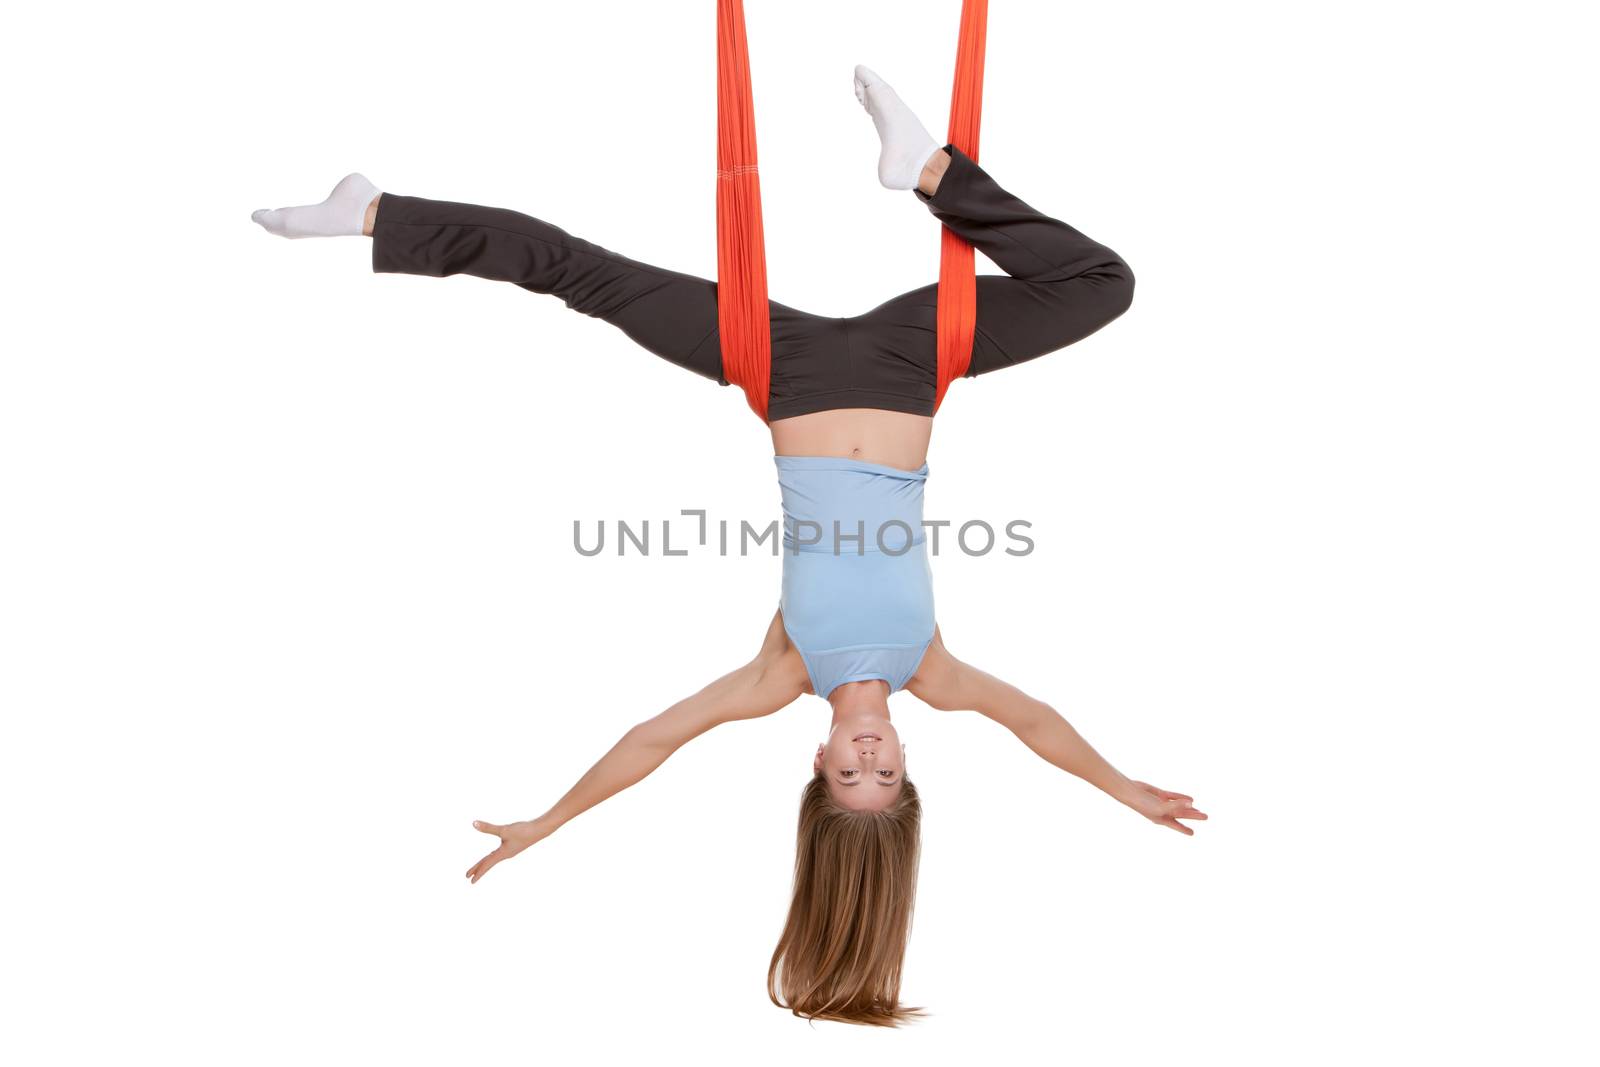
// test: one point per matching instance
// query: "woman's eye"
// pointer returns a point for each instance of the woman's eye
(886, 774)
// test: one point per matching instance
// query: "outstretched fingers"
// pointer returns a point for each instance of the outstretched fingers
(1180, 809)
(483, 866)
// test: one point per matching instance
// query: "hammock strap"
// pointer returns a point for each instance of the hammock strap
(957, 312)
(742, 315)
(743, 323)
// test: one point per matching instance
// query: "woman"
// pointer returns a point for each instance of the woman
(851, 412)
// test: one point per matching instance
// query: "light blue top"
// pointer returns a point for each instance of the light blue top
(857, 590)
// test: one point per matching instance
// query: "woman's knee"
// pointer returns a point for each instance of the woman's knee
(1119, 282)
(1058, 314)
(1089, 301)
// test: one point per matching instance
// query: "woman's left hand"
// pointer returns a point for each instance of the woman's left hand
(1162, 806)
(514, 838)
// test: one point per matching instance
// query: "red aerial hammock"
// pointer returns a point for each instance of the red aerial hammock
(742, 319)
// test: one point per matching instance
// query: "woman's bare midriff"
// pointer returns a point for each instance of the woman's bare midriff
(872, 435)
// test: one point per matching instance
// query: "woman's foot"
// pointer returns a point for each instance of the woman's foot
(342, 214)
(907, 144)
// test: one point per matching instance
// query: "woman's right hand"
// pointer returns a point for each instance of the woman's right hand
(1162, 806)
(514, 837)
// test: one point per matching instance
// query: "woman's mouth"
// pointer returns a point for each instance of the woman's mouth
(866, 737)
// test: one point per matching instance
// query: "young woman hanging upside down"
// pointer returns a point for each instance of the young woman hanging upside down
(851, 412)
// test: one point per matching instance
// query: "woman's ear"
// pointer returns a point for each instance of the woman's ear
(816, 764)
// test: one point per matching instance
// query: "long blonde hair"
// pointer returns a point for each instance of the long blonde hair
(855, 882)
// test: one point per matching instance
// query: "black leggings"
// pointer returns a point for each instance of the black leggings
(1062, 287)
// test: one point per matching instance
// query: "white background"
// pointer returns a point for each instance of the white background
(288, 598)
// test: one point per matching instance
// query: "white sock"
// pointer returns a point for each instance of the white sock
(907, 144)
(342, 214)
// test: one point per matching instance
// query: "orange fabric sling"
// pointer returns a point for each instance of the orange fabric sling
(743, 323)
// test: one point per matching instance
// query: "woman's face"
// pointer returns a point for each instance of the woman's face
(863, 761)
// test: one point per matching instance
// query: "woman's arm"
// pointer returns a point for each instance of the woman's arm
(946, 683)
(770, 681)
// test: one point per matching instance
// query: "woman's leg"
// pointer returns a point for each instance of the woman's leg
(1062, 286)
(671, 314)
(667, 312)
